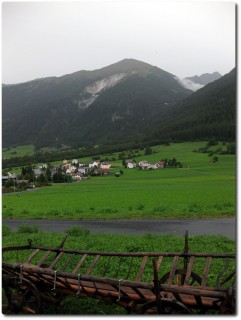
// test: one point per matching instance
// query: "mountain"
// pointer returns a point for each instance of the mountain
(205, 78)
(109, 105)
(197, 82)
(209, 113)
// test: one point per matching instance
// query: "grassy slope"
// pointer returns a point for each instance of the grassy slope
(19, 151)
(200, 189)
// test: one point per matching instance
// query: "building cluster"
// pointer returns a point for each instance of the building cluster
(76, 170)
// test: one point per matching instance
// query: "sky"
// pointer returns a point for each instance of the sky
(185, 38)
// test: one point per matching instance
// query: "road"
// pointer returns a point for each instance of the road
(223, 226)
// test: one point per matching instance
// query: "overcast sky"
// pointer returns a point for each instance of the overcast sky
(41, 39)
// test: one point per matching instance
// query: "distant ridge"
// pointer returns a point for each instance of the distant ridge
(205, 78)
(197, 82)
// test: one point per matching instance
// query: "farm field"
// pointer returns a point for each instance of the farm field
(200, 189)
(81, 239)
(19, 151)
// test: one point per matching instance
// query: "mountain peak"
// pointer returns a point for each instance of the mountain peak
(127, 65)
(205, 78)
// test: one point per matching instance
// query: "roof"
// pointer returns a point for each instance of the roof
(37, 171)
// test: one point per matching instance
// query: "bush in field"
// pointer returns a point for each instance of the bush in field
(140, 206)
(24, 228)
(6, 230)
(78, 231)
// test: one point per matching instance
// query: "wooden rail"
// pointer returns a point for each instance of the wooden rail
(75, 272)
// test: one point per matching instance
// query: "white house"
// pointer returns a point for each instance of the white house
(130, 164)
(37, 172)
(152, 167)
(94, 164)
(76, 176)
(83, 170)
(144, 164)
(81, 164)
(12, 175)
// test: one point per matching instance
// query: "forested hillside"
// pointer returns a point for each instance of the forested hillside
(209, 113)
(109, 105)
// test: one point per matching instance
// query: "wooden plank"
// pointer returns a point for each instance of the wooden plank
(92, 264)
(56, 260)
(32, 255)
(138, 291)
(142, 268)
(173, 270)
(131, 254)
(206, 270)
(45, 256)
(158, 264)
(80, 263)
(189, 270)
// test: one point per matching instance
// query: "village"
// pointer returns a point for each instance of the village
(71, 171)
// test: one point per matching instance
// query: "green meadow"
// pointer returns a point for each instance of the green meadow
(18, 151)
(200, 189)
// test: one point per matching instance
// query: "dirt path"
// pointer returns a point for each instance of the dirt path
(223, 226)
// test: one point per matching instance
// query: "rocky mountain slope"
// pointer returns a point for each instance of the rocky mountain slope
(109, 105)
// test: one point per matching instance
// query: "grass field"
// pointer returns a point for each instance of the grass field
(80, 239)
(19, 151)
(200, 189)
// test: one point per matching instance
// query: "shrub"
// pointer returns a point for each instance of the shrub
(77, 231)
(140, 206)
(53, 212)
(24, 228)
(195, 207)
(24, 212)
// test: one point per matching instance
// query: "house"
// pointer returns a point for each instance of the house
(4, 179)
(152, 167)
(84, 170)
(76, 176)
(72, 168)
(81, 164)
(42, 166)
(37, 172)
(101, 172)
(75, 162)
(130, 164)
(94, 164)
(12, 175)
(160, 164)
(105, 165)
(144, 164)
